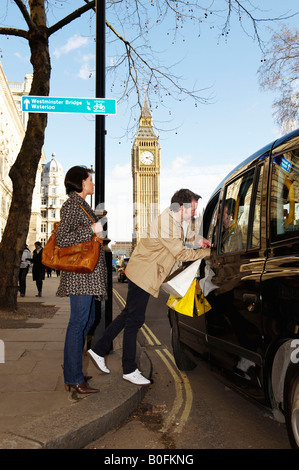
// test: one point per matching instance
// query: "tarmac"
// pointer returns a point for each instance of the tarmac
(36, 412)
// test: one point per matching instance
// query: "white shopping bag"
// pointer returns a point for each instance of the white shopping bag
(179, 282)
(206, 283)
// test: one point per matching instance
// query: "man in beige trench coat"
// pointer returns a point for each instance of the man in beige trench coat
(149, 265)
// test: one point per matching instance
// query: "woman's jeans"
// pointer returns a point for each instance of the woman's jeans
(81, 320)
(131, 319)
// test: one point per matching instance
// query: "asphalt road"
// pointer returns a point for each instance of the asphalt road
(188, 410)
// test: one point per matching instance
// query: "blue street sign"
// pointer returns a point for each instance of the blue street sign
(285, 164)
(49, 104)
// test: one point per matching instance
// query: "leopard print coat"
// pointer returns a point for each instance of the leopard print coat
(74, 228)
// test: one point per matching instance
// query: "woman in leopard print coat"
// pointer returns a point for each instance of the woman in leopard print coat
(75, 227)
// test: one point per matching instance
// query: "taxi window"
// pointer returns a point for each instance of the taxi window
(285, 196)
(254, 241)
(235, 214)
(210, 220)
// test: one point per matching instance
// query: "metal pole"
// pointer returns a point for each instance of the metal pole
(100, 93)
(100, 133)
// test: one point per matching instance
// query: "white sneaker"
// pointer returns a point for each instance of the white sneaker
(136, 378)
(99, 360)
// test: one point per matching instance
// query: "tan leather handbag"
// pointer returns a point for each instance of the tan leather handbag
(80, 258)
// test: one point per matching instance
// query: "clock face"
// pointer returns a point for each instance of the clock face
(147, 157)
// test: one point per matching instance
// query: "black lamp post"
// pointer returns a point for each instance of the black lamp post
(100, 133)
(100, 93)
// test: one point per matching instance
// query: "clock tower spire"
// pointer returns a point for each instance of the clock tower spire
(146, 157)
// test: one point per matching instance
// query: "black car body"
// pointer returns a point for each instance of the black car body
(250, 336)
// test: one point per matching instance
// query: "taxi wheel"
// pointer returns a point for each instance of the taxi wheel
(291, 404)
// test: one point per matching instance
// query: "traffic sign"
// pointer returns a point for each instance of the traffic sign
(49, 104)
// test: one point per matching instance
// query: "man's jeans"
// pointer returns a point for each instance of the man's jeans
(81, 320)
(131, 319)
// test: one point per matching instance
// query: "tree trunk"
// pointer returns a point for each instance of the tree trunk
(23, 172)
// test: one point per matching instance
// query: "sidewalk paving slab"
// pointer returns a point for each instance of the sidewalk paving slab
(36, 412)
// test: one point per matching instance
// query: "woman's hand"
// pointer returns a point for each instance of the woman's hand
(97, 228)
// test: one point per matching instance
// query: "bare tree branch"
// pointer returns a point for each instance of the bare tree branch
(280, 72)
(25, 13)
(154, 72)
(14, 32)
(72, 16)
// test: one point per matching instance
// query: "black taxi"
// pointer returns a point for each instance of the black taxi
(250, 335)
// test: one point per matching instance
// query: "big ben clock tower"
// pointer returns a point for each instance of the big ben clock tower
(146, 174)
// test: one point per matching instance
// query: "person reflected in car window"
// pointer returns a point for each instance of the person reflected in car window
(231, 234)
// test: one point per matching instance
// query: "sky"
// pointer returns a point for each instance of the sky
(200, 143)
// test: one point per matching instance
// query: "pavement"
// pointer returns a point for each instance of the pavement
(36, 412)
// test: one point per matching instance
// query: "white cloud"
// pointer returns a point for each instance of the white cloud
(112, 61)
(179, 162)
(84, 72)
(74, 42)
(200, 179)
(119, 203)
(87, 66)
(121, 171)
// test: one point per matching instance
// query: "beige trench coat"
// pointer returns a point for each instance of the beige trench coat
(157, 251)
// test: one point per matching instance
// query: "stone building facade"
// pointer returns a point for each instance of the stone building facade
(49, 192)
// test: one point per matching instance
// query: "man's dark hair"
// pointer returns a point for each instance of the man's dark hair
(183, 197)
(74, 178)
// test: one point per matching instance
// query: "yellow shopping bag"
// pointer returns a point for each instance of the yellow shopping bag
(185, 305)
(201, 304)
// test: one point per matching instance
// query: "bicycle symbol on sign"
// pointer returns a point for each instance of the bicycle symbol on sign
(98, 107)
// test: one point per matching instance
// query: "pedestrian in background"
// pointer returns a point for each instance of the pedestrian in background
(49, 272)
(38, 270)
(149, 265)
(24, 267)
(76, 227)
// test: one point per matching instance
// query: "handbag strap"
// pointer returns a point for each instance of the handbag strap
(86, 212)
(57, 223)
(97, 238)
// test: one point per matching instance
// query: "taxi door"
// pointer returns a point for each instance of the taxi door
(234, 324)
